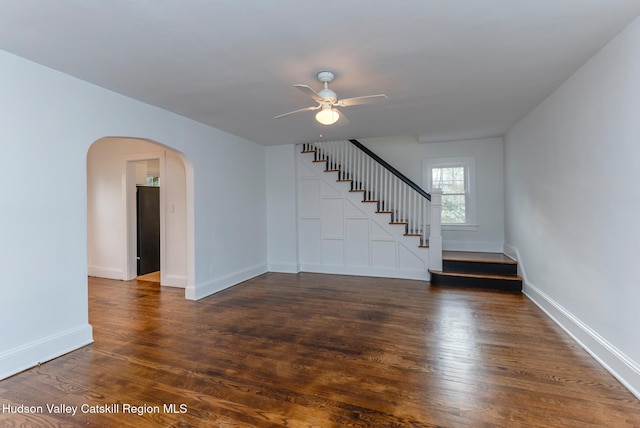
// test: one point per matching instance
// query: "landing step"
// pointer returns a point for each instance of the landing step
(478, 270)
(476, 256)
(476, 275)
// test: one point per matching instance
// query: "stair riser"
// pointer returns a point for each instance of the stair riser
(480, 267)
(514, 285)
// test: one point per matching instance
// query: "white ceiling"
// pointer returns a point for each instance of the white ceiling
(452, 69)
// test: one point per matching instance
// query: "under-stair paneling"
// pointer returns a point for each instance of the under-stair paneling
(357, 242)
(383, 254)
(338, 233)
(332, 216)
(309, 198)
(332, 251)
(408, 260)
(310, 241)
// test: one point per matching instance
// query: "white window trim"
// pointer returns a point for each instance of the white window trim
(469, 162)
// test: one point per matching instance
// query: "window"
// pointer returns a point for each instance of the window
(453, 183)
(456, 178)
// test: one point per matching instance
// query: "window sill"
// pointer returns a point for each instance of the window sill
(460, 227)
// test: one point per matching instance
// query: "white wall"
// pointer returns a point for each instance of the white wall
(572, 170)
(106, 219)
(49, 120)
(281, 209)
(406, 154)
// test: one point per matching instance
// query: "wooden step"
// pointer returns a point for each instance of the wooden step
(477, 256)
(476, 280)
(494, 271)
(476, 262)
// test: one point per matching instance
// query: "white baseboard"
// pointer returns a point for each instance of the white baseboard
(218, 284)
(284, 267)
(421, 275)
(177, 281)
(105, 272)
(617, 363)
(612, 359)
(31, 354)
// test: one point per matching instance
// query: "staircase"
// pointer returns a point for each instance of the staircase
(493, 271)
(381, 185)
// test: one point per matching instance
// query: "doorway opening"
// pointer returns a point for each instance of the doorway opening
(148, 219)
(116, 169)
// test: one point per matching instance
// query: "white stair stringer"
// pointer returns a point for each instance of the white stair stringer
(338, 233)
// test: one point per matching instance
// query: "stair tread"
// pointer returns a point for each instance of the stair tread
(477, 275)
(477, 257)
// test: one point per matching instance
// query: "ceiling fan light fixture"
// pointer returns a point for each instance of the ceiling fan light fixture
(327, 116)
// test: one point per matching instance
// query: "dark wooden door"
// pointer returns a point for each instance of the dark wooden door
(148, 204)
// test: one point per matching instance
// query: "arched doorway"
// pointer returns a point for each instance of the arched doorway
(112, 174)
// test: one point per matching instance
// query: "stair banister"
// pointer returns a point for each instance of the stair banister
(394, 171)
(435, 232)
(393, 191)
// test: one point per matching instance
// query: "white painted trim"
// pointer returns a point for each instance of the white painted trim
(218, 284)
(421, 275)
(178, 281)
(460, 227)
(31, 354)
(513, 252)
(190, 210)
(284, 267)
(611, 358)
(616, 362)
(105, 272)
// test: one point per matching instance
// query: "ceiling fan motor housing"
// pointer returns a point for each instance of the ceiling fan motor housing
(327, 94)
(325, 76)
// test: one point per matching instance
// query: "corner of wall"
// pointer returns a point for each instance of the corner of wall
(284, 267)
(215, 285)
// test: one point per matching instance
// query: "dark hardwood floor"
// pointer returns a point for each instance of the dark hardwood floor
(314, 350)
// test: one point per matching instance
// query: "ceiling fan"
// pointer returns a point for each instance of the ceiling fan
(328, 100)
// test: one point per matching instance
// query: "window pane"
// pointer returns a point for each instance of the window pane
(453, 209)
(449, 179)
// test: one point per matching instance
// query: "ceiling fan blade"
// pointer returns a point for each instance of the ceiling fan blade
(343, 121)
(298, 111)
(309, 91)
(367, 99)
